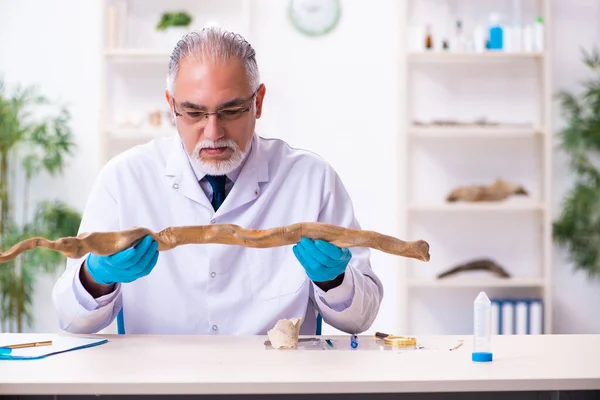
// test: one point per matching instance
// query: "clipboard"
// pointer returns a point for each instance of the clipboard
(60, 344)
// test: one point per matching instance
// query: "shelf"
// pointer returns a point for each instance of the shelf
(474, 282)
(503, 132)
(439, 56)
(137, 55)
(479, 207)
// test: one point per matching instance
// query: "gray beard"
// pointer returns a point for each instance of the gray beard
(221, 167)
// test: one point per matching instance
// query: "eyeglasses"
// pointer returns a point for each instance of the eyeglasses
(225, 114)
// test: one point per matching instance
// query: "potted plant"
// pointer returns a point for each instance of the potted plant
(577, 228)
(34, 140)
(172, 26)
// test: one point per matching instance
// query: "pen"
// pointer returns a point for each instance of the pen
(354, 341)
(9, 348)
(32, 344)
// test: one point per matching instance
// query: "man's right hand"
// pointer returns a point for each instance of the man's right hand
(125, 266)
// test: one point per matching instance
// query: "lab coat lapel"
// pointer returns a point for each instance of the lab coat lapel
(183, 179)
(246, 187)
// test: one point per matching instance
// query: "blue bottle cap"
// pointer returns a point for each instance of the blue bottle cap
(481, 357)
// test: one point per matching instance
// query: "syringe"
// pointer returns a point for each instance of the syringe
(482, 327)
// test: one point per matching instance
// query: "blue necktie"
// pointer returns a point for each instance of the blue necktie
(218, 186)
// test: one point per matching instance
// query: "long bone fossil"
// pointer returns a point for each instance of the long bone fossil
(106, 243)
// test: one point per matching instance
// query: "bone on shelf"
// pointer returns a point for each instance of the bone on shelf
(483, 264)
(107, 243)
(497, 191)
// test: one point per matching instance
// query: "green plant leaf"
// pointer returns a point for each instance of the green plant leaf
(174, 19)
(577, 228)
(35, 137)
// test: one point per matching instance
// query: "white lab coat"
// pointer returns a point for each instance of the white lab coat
(213, 288)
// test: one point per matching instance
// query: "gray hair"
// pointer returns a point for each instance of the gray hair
(214, 44)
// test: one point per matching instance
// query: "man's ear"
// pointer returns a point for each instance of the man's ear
(170, 102)
(260, 96)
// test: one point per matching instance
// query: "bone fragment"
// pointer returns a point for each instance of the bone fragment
(483, 264)
(497, 191)
(284, 334)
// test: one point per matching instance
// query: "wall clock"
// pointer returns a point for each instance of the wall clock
(314, 17)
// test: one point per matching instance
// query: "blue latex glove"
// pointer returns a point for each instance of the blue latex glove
(322, 260)
(126, 265)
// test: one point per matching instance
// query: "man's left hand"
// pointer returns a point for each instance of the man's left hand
(323, 261)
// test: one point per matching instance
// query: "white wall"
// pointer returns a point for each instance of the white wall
(336, 95)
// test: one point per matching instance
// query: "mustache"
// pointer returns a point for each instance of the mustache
(208, 144)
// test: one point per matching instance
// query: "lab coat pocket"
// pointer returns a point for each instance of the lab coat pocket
(274, 273)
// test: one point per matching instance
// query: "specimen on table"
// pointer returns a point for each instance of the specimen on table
(284, 334)
(497, 191)
(107, 243)
(482, 264)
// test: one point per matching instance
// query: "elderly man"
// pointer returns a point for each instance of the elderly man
(217, 170)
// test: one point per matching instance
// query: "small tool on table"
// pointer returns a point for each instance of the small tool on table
(354, 341)
(9, 348)
(457, 346)
(396, 341)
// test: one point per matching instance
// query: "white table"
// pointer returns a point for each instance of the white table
(175, 365)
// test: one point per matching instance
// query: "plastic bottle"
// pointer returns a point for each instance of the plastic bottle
(418, 38)
(496, 34)
(517, 27)
(482, 329)
(528, 38)
(517, 38)
(458, 41)
(479, 39)
(507, 38)
(428, 38)
(538, 35)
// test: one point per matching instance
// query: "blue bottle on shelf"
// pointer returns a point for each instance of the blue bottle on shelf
(496, 33)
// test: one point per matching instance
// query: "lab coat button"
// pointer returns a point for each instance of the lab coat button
(212, 221)
(213, 274)
(214, 328)
(176, 186)
(256, 192)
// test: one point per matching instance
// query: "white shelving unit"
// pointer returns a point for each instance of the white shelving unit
(513, 88)
(135, 60)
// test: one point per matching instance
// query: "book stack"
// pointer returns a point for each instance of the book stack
(517, 316)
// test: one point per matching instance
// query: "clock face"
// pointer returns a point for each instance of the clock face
(314, 17)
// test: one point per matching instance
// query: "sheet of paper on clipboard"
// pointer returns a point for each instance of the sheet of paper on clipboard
(60, 344)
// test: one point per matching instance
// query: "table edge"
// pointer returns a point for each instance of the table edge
(299, 387)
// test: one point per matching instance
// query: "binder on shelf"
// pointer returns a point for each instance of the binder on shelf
(521, 317)
(507, 318)
(517, 317)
